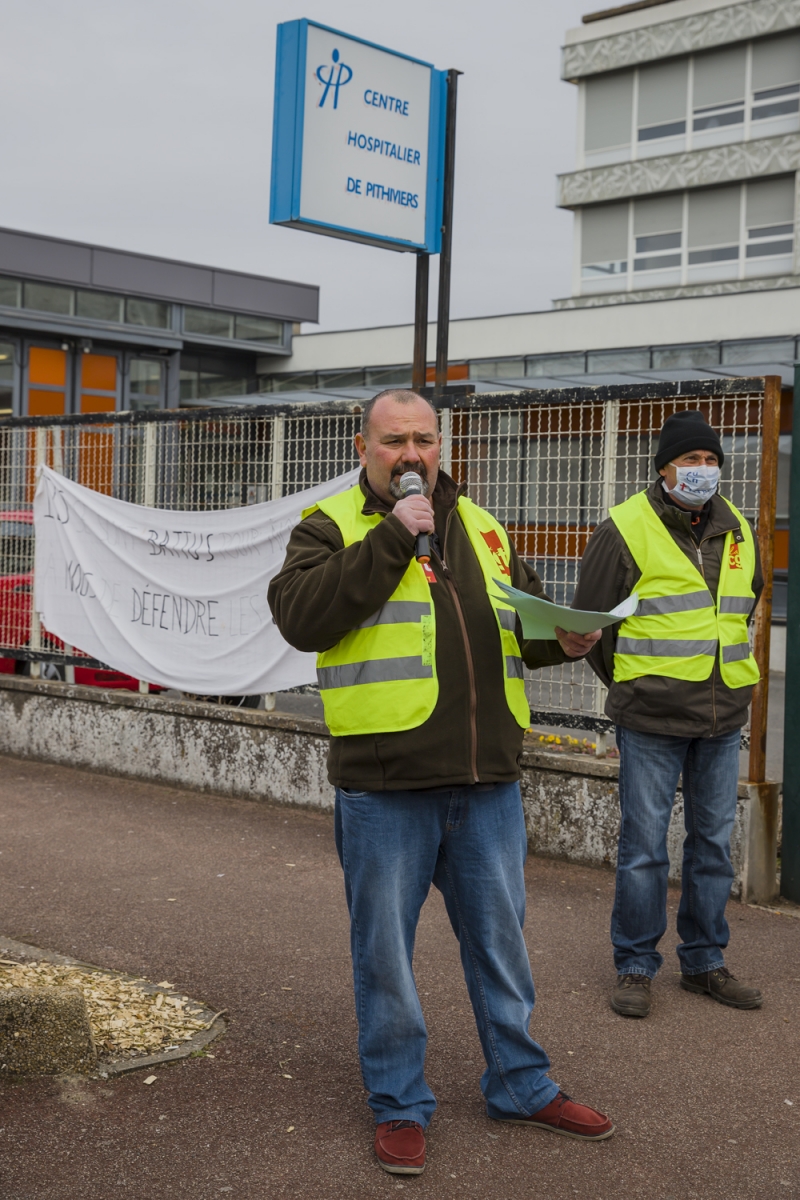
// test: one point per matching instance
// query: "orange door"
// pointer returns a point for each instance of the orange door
(98, 383)
(47, 382)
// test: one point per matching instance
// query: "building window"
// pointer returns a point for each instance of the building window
(770, 226)
(6, 378)
(145, 384)
(556, 364)
(699, 355)
(151, 313)
(662, 105)
(658, 237)
(49, 297)
(721, 101)
(10, 293)
(776, 85)
(739, 231)
(207, 322)
(210, 322)
(99, 306)
(719, 95)
(258, 329)
(714, 234)
(500, 368)
(304, 381)
(383, 377)
(604, 247)
(609, 117)
(611, 361)
(90, 305)
(204, 377)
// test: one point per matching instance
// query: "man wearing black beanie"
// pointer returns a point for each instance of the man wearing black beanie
(680, 675)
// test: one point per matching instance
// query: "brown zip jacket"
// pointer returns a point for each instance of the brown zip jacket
(608, 574)
(325, 589)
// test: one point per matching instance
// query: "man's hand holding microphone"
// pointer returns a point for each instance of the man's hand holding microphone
(416, 513)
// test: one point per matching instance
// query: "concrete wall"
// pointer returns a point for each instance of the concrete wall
(570, 800)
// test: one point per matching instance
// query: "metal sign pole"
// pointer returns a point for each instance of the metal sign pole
(443, 320)
(419, 369)
(790, 852)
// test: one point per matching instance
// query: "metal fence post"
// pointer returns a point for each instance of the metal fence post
(58, 466)
(790, 852)
(608, 493)
(149, 501)
(40, 457)
(276, 465)
(150, 455)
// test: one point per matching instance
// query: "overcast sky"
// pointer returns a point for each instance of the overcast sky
(147, 125)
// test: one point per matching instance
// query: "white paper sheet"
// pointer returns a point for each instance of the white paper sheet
(539, 617)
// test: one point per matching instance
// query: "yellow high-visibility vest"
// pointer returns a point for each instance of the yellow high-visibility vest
(381, 677)
(678, 629)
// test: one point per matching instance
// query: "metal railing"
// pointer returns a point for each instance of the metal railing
(548, 465)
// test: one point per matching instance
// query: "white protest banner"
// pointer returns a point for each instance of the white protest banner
(174, 598)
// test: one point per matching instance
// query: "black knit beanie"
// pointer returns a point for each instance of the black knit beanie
(685, 431)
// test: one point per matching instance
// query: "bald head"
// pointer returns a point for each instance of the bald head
(400, 432)
(399, 396)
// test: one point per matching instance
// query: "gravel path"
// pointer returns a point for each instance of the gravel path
(257, 925)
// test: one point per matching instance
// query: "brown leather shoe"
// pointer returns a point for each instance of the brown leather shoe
(400, 1147)
(631, 996)
(723, 987)
(562, 1115)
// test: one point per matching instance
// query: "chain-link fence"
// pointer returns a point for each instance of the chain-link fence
(548, 465)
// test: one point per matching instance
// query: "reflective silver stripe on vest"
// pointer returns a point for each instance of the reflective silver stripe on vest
(396, 612)
(377, 670)
(737, 604)
(514, 667)
(507, 618)
(688, 602)
(736, 653)
(664, 647)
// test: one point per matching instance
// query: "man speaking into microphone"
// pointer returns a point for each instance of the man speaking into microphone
(420, 672)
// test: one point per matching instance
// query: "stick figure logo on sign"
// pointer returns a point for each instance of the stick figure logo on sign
(336, 69)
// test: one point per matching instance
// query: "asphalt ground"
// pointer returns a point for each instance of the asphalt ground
(241, 904)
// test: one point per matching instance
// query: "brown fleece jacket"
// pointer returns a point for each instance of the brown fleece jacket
(325, 589)
(654, 703)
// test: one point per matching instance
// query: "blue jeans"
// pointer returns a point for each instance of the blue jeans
(470, 842)
(649, 767)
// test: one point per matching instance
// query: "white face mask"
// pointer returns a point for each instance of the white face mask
(695, 485)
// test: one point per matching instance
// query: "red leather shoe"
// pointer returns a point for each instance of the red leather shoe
(562, 1115)
(400, 1147)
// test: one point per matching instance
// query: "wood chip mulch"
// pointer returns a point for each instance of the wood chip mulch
(127, 1020)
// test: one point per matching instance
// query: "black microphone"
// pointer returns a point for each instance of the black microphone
(411, 485)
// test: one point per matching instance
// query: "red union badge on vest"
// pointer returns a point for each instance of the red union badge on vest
(428, 569)
(496, 546)
(734, 561)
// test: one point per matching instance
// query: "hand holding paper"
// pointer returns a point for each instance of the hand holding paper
(539, 617)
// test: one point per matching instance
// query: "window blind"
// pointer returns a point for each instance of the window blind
(714, 217)
(719, 77)
(776, 61)
(604, 234)
(609, 111)
(662, 92)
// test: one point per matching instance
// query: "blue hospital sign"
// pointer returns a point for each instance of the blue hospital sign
(358, 140)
